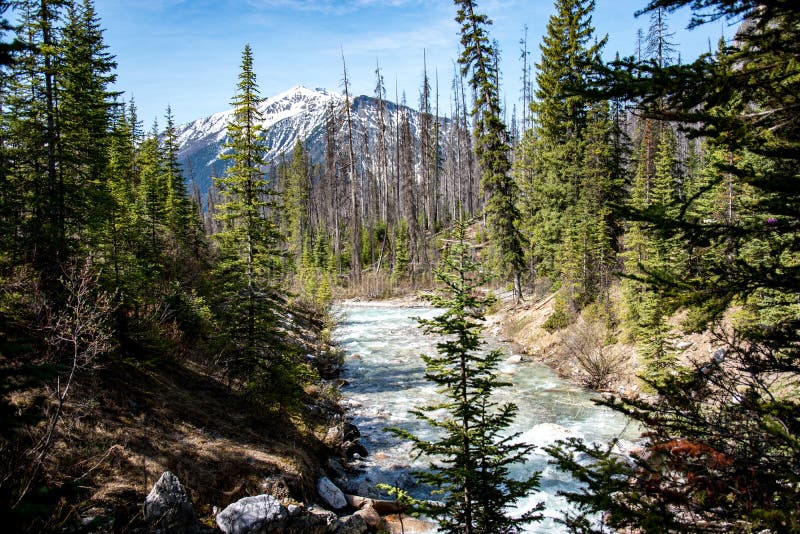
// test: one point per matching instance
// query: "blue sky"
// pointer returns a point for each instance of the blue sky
(186, 53)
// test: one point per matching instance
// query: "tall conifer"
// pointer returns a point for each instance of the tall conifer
(492, 141)
(249, 268)
(471, 459)
(563, 169)
(721, 438)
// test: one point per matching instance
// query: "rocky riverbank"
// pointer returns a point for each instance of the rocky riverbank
(587, 351)
(283, 506)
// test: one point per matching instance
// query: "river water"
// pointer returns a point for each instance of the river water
(385, 380)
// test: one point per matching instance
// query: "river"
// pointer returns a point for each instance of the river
(385, 380)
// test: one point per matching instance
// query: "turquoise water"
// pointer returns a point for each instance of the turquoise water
(385, 380)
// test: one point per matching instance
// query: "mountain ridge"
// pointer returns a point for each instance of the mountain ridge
(296, 114)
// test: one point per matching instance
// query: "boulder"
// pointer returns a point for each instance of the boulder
(683, 345)
(331, 494)
(372, 518)
(397, 524)
(258, 514)
(313, 521)
(167, 508)
(352, 524)
(381, 506)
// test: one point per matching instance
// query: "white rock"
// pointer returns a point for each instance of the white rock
(167, 508)
(331, 494)
(516, 358)
(262, 513)
(683, 345)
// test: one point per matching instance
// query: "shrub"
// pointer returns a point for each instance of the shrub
(586, 341)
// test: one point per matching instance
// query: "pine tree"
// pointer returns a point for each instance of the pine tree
(84, 115)
(152, 194)
(296, 195)
(492, 147)
(125, 225)
(563, 156)
(721, 437)
(249, 265)
(7, 48)
(177, 208)
(401, 250)
(470, 462)
(35, 194)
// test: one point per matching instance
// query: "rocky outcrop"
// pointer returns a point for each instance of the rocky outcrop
(315, 520)
(167, 508)
(369, 511)
(264, 513)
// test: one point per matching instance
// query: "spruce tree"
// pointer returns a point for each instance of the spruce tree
(177, 209)
(470, 461)
(250, 258)
(296, 196)
(84, 122)
(720, 449)
(565, 168)
(152, 190)
(7, 48)
(492, 141)
(401, 250)
(125, 226)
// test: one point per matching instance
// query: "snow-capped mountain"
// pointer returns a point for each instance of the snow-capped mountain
(299, 113)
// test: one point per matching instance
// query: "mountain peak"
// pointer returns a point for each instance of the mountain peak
(302, 91)
(299, 113)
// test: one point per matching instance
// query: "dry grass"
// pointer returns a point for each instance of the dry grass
(563, 349)
(525, 325)
(127, 425)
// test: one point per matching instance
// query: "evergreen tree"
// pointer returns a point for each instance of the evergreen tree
(249, 265)
(470, 461)
(721, 437)
(7, 48)
(152, 195)
(125, 224)
(565, 169)
(34, 193)
(296, 195)
(401, 250)
(84, 123)
(492, 144)
(177, 209)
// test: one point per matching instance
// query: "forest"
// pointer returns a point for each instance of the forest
(644, 190)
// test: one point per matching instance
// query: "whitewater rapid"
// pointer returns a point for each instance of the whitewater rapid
(385, 380)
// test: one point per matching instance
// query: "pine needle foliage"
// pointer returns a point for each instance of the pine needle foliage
(492, 145)
(250, 259)
(722, 439)
(471, 458)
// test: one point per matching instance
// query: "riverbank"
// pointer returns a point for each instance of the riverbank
(587, 347)
(132, 418)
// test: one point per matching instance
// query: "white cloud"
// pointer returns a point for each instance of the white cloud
(433, 35)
